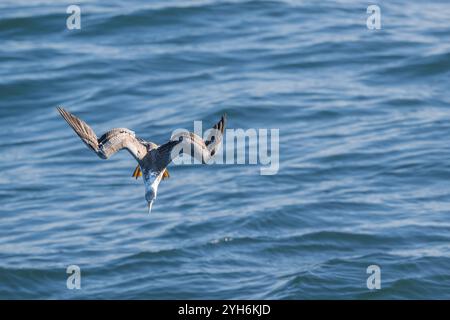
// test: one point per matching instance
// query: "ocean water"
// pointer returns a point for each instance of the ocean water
(364, 150)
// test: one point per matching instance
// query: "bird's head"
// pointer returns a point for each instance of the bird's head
(150, 196)
(151, 183)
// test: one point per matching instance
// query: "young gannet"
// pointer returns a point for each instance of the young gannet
(152, 159)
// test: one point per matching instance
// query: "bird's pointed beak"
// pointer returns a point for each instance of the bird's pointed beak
(150, 203)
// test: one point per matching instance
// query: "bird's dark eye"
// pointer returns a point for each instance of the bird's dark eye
(180, 138)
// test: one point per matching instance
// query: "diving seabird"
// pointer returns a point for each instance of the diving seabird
(152, 159)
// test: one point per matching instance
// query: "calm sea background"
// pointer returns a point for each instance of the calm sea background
(364, 172)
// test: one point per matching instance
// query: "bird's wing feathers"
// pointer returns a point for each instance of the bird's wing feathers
(161, 156)
(192, 144)
(118, 139)
(215, 136)
(81, 129)
(158, 157)
(109, 143)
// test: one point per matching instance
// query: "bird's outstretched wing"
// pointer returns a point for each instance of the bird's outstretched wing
(189, 143)
(110, 142)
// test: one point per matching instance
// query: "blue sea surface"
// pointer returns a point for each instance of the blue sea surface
(364, 171)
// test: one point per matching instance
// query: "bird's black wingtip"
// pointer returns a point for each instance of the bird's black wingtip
(60, 110)
(224, 119)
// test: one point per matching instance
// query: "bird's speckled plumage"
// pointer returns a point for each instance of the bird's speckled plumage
(152, 159)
